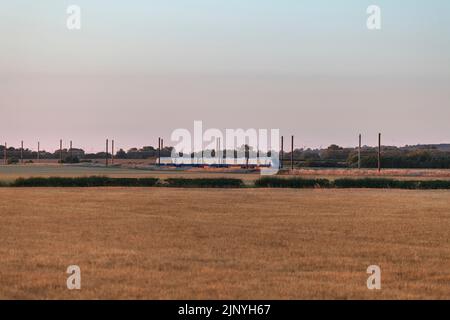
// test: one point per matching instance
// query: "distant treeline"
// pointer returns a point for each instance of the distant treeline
(419, 156)
(74, 154)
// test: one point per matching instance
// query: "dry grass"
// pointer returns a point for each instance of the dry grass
(12, 172)
(134, 169)
(174, 243)
(401, 174)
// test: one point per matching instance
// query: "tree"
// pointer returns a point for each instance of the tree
(121, 154)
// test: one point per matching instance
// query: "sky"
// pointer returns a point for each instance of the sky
(137, 70)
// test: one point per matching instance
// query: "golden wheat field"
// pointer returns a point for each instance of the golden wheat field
(164, 243)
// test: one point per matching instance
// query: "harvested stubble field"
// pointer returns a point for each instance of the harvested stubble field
(12, 172)
(133, 170)
(399, 174)
(161, 243)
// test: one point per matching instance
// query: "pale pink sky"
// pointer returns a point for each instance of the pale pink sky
(139, 70)
(135, 110)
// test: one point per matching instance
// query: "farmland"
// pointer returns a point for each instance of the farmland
(160, 243)
(9, 173)
(137, 169)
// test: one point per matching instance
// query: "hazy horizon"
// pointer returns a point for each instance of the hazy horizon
(136, 71)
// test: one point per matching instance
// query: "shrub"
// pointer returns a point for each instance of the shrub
(276, 182)
(375, 183)
(13, 161)
(70, 159)
(434, 184)
(264, 182)
(205, 183)
(93, 181)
